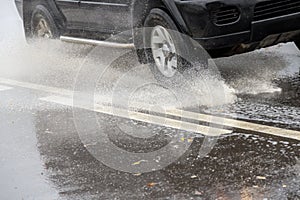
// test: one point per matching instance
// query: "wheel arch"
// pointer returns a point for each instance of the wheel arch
(141, 9)
(29, 7)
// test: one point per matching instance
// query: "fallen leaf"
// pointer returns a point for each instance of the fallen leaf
(260, 177)
(152, 184)
(194, 176)
(190, 140)
(198, 192)
(139, 162)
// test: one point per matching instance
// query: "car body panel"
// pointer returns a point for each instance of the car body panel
(72, 12)
(108, 16)
(287, 23)
(192, 17)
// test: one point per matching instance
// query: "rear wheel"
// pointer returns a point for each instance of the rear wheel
(42, 24)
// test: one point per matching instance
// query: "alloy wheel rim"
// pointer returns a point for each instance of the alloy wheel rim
(43, 30)
(164, 51)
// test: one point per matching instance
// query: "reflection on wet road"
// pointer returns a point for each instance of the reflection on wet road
(242, 163)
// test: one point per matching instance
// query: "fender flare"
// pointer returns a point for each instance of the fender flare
(176, 15)
(141, 9)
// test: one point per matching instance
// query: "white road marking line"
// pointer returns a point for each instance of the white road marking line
(270, 130)
(3, 88)
(237, 124)
(34, 86)
(175, 112)
(161, 121)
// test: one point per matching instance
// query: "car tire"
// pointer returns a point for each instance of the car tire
(160, 21)
(155, 20)
(43, 25)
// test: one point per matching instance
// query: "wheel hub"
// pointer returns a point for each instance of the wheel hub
(164, 51)
(43, 30)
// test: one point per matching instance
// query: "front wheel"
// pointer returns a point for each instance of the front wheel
(164, 51)
(163, 46)
(167, 50)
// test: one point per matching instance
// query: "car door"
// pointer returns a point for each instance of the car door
(71, 10)
(107, 16)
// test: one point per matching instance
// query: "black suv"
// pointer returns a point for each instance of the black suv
(222, 27)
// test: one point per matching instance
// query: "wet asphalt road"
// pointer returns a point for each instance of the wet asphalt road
(42, 155)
